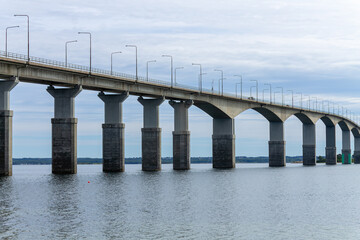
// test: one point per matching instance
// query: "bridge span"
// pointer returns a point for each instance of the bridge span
(66, 81)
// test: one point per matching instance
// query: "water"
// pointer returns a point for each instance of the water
(252, 201)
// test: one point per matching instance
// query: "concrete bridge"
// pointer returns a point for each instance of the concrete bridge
(70, 79)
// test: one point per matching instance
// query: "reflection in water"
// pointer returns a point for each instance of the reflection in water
(7, 209)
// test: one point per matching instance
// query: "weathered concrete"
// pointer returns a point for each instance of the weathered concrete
(346, 149)
(6, 126)
(330, 149)
(357, 150)
(181, 135)
(151, 135)
(223, 143)
(309, 145)
(64, 130)
(113, 132)
(277, 156)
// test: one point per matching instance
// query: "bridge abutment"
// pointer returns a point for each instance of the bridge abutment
(309, 145)
(6, 127)
(330, 149)
(346, 149)
(113, 132)
(223, 143)
(151, 135)
(181, 135)
(277, 156)
(64, 130)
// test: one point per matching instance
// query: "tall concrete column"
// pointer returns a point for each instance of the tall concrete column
(151, 135)
(309, 145)
(6, 126)
(277, 156)
(64, 130)
(223, 141)
(113, 132)
(181, 135)
(330, 148)
(346, 149)
(357, 150)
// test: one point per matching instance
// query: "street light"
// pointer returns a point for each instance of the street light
(309, 100)
(90, 44)
(263, 94)
(275, 97)
(175, 73)
(6, 33)
(315, 103)
(240, 76)
(300, 99)
(268, 84)
(257, 89)
(111, 64)
(222, 80)
(282, 95)
(28, 33)
(200, 76)
(172, 80)
(292, 97)
(147, 69)
(66, 43)
(136, 59)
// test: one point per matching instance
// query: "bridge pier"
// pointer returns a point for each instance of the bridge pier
(223, 143)
(151, 135)
(330, 148)
(64, 130)
(357, 150)
(113, 132)
(277, 156)
(309, 145)
(346, 149)
(6, 126)
(181, 135)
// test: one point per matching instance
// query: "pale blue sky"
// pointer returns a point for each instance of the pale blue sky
(306, 46)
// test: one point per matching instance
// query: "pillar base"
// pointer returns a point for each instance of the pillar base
(309, 155)
(6, 142)
(346, 156)
(357, 157)
(181, 150)
(64, 145)
(277, 156)
(113, 147)
(151, 149)
(223, 151)
(331, 158)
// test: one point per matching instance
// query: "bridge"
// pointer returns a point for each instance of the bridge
(65, 81)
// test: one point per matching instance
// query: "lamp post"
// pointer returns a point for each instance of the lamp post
(292, 98)
(315, 103)
(308, 100)
(90, 44)
(300, 99)
(175, 73)
(136, 60)
(111, 71)
(268, 84)
(222, 80)
(6, 34)
(263, 94)
(282, 95)
(240, 76)
(147, 69)
(172, 80)
(200, 76)
(275, 97)
(257, 88)
(66, 51)
(28, 33)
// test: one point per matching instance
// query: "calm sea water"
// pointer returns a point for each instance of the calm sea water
(252, 201)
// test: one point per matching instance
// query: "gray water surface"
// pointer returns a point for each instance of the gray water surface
(252, 201)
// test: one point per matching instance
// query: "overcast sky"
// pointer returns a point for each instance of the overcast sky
(306, 46)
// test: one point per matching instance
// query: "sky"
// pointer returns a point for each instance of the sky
(305, 46)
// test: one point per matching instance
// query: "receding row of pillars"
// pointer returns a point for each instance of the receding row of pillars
(64, 135)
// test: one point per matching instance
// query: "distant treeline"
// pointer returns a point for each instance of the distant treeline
(240, 159)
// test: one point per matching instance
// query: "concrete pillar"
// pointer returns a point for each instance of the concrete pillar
(346, 149)
(223, 143)
(309, 145)
(113, 132)
(64, 130)
(277, 156)
(6, 126)
(181, 135)
(151, 135)
(330, 148)
(357, 150)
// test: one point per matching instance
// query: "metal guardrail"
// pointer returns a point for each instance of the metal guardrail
(71, 66)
